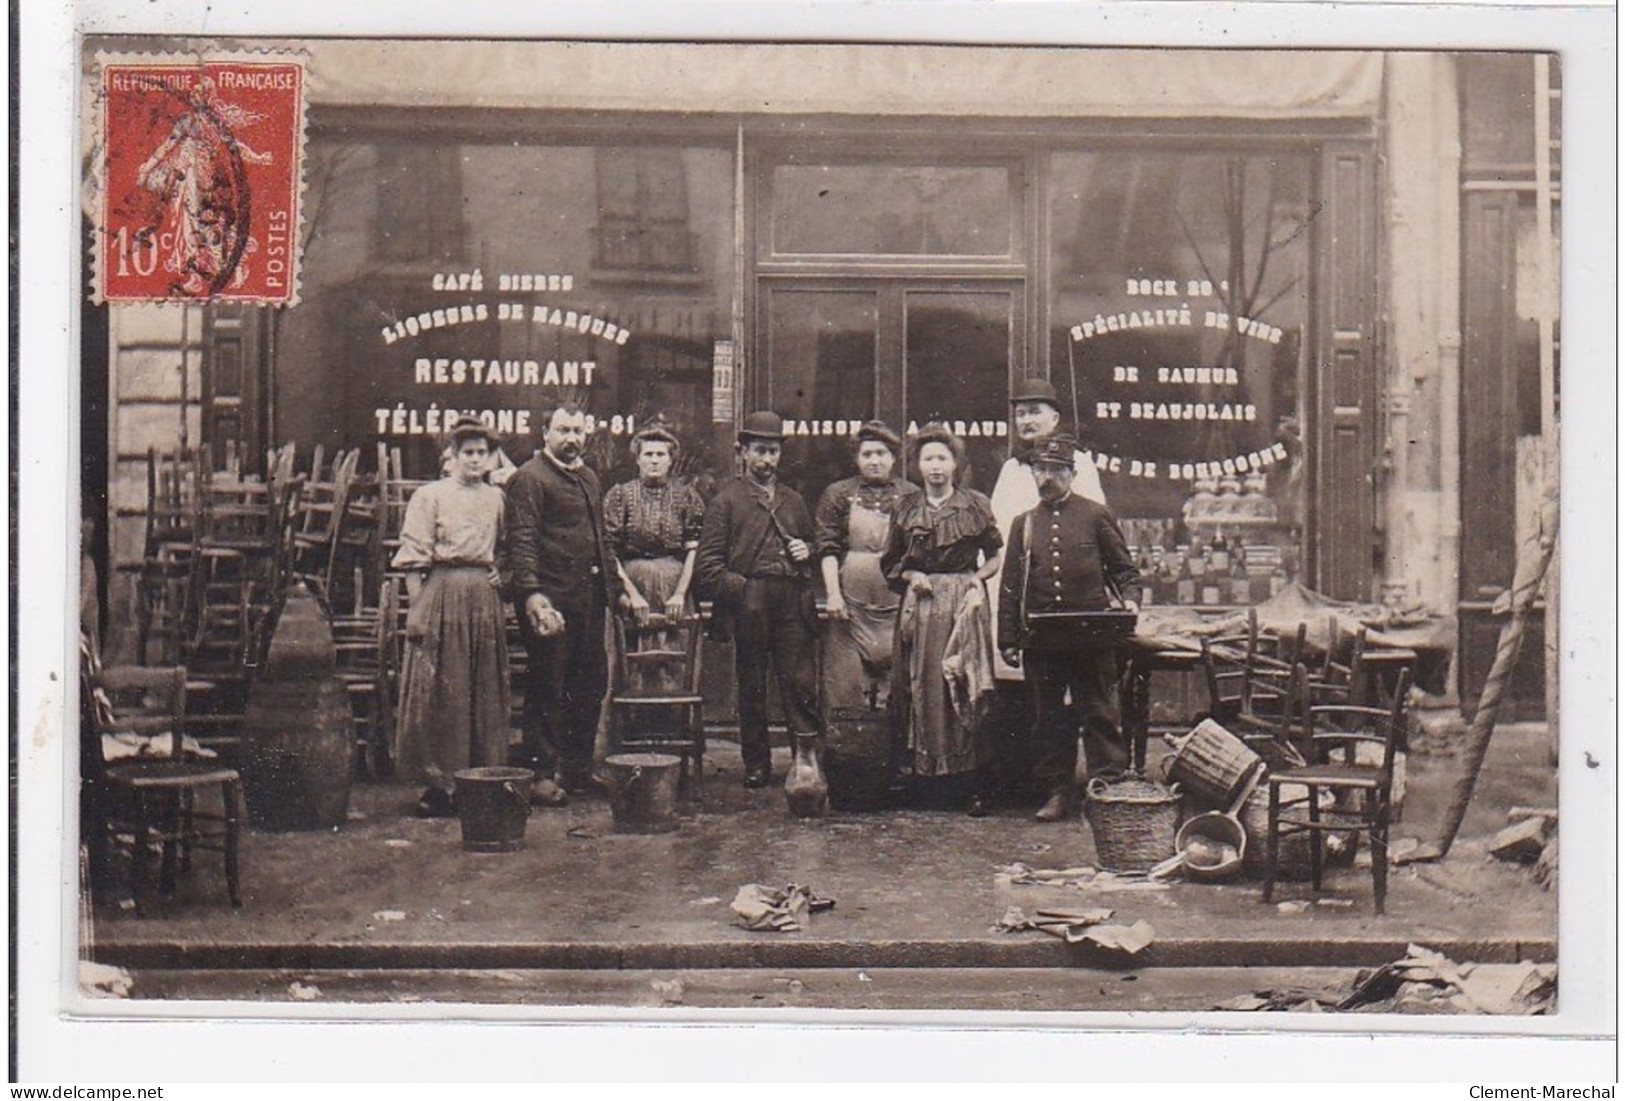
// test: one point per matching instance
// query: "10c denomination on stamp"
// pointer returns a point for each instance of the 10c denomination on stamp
(199, 180)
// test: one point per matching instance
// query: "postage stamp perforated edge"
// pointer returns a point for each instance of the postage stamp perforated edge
(93, 142)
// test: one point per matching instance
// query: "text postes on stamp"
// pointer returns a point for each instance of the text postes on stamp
(200, 179)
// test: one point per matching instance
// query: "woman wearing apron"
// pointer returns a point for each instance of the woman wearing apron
(852, 520)
(944, 545)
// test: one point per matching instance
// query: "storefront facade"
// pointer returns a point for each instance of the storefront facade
(1241, 271)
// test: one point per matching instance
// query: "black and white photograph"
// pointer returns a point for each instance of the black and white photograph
(609, 528)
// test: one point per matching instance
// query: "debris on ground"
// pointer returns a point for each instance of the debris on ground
(1429, 982)
(303, 993)
(1292, 999)
(1545, 870)
(1296, 906)
(103, 980)
(708, 900)
(580, 833)
(670, 990)
(1423, 982)
(777, 909)
(1080, 878)
(389, 915)
(1521, 842)
(398, 843)
(1077, 926)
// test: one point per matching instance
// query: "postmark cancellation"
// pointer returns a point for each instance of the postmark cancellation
(198, 171)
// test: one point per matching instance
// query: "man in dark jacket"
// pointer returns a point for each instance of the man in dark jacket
(1059, 558)
(558, 565)
(755, 564)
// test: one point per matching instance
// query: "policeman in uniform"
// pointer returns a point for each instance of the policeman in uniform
(1061, 557)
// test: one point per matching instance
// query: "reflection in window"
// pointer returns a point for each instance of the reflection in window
(643, 212)
(1179, 307)
(958, 371)
(821, 367)
(419, 204)
(892, 210)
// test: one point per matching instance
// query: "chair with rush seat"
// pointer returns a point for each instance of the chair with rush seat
(153, 800)
(1363, 789)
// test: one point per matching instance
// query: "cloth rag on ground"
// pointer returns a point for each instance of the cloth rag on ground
(776, 909)
(1080, 926)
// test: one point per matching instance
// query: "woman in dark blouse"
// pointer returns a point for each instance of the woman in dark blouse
(852, 520)
(653, 526)
(944, 543)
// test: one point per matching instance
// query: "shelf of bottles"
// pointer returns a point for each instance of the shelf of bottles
(1228, 548)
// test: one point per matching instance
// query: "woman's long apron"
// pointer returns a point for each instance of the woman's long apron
(936, 741)
(858, 653)
(454, 680)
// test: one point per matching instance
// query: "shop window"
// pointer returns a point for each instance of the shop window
(1179, 311)
(643, 222)
(492, 278)
(892, 209)
(420, 208)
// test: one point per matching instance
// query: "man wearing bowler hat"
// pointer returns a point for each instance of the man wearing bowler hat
(1035, 416)
(1065, 555)
(755, 563)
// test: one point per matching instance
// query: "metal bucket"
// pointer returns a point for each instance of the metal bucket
(493, 805)
(855, 763)
(643, 791)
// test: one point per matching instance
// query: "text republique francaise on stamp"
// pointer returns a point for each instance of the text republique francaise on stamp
(198, 169)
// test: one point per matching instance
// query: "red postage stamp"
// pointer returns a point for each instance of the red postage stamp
(199, 169)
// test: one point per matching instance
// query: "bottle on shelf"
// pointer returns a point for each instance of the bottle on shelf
(1221, 554)
(1241, 586)
(1185, 583)
(1213, 583)
(1278, 579)
(1148, 580)
(1198, 560)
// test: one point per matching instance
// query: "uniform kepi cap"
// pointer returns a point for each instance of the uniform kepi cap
(1055, 451)
(761, 425)
(1035, 389)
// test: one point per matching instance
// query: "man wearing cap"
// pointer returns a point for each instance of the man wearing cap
(1035, 415)
(558, 566)
(1062, 556)
(755, 564)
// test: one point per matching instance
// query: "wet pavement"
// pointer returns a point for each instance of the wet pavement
(914, 889)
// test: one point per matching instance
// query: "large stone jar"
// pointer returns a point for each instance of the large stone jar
(298, 749)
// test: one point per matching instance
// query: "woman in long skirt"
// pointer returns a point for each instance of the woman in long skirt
(454, 680)
(944, 544)
(853, 520)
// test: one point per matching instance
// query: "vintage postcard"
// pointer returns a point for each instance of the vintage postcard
(592, 528)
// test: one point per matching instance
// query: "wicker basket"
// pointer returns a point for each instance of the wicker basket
(1212, 765)
(1293, 860)
(1134, 822)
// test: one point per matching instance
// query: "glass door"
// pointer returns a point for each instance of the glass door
(835, 353)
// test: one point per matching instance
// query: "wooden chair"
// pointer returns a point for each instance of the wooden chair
(162, 610)
(1247, 689)
(655, 701)
(363, 643)
(1363, 788)
(357, 547)
(321, 509)
(154, 800)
